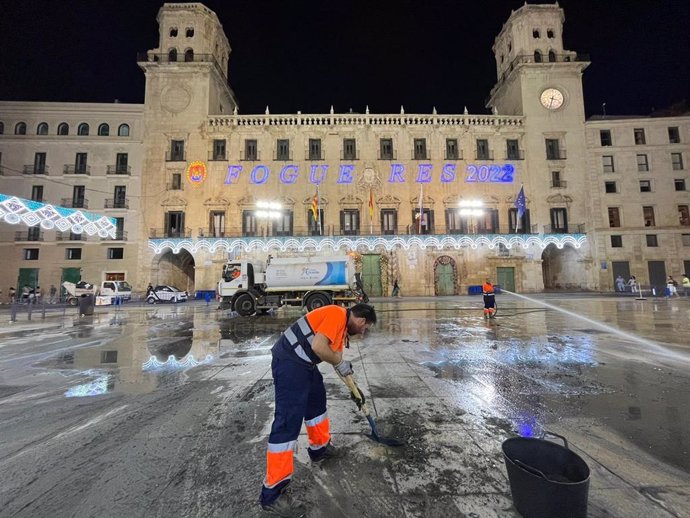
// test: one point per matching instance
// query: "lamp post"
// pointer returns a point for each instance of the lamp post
(471, 209)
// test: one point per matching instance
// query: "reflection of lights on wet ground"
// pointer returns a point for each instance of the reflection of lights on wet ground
(95, 388)
(173, 363)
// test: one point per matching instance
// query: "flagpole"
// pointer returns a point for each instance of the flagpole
(421, 207)
(517, 213)
(318, 210)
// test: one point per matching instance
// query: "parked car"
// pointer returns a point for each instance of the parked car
(165, 293)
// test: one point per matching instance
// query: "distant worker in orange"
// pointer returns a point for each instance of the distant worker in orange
(489, 299)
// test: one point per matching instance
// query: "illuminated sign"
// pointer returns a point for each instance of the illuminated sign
(345, 173)
(196, 173)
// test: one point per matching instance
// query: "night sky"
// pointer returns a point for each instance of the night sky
(309, 55)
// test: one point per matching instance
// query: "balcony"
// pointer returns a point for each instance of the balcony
(120, 235)
(577, 228)
(558, 154)
(283, 157)
(253, 156)
(116, 203)
(518, 154)
(217, 157)
(562, 184)
(420, 155)
(349, 155)
(33, 234)
(453, 156)
(390, 155)
(314, 156)
(176, 156)
(119, 169)
(69, 236)
(77, 169)
(71, 203)
(163, 233)
(488, 155)
(35, 169)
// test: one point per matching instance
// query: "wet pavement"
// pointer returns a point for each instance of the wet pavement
(165, 410)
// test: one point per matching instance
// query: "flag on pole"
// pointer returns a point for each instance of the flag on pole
(521, 206)
(315, 205)
(371, 205)
(421, 208)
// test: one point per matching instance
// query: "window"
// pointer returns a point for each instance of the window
(535, 34)
(349, 149)
(120, 228)
(30, 254)
(607, 164)
(386, 149)
(173, 32)
(455, 224)
(83, 129)
(176, 182)
(172, 55)
(73, 254)
(559, 220)
(249, 223)
(389, 222)
(549, 34)
(189, 32)
(679, 184)
(648, 216)
(483, 149)
(216, 226)
(518, 227)
(219, 149)
(677, 161)
(42, 129)
(349, 222)
(20, 128)
(80, 163)
(123, 130)
(250, 150)
(116, 253)
(642, 163)
(652, 240)
(553, 151)
(109, 356)
(37, 193)
(610, 187)
(174, 224)
(120, 197)
(645, 186)
(315, 227)
(552, 56)
(189, 56)
(315, 149)
(40, 163)
(2, 128)
(103, 130)
(605, 137)
(423, 224)
(556, 179)
(537, 57)
(283, 149)
(452, 149)
(614, 217)
(420, 149)
(121, 166)
(176, 150)
(63, 129)
(639, 136)
(616, 241)
(683, 215)
(673, 135)
(512, 150)
(283, 225)
(78, 199)
(685, 239)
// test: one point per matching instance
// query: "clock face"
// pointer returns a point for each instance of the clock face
(551, 99)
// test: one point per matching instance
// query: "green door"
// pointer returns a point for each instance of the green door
(444, 279)
(505, 278)
(27, 277)
(371, 275)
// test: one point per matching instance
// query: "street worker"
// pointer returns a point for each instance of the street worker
(300, 394)
(489, 299)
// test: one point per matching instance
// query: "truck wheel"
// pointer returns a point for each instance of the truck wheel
(150, 300)
(72, 302)
(244, 305)
(317, 300)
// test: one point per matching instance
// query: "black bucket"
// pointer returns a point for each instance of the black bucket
(546, 479)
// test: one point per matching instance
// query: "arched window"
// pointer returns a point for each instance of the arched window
(549, 33)
(189, 55)
(42, 129)
(535, 34)
(172, 55)
(123, 130)
(63, 128)
(2, 128)
(552, 56)
(83, 129)
(189, 32)
(537, 56)
(103, 130)
(20, 128)
(173, 32)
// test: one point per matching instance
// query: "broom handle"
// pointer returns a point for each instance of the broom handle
(353, 388)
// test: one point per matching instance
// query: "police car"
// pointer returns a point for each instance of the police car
(164, 293)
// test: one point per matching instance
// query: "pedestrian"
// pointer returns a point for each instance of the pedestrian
(686, 285)
(25, 294)
(396, 289)
(53, 293)
(671, 287)
(149, 290)
(12, 294)
(620, 283)
(632, 282)
(300, 394)
(38, 295)
(489, 299)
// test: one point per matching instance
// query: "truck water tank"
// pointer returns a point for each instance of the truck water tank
(319, 273)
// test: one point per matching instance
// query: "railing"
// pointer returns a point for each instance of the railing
(152, 58)
(69, 236)
(161, 233)
(562, 184)
(34, 169)
(283, 157)
(217, 157)
(556, 155)
(30, 235)
(116, 203)
(456, 156)
(577, 228)
(119, 236)
(175, 157)
(76, 169)
(314, 156)
(119, 169)
(250, 157)
(393, 155)
(349, 156)
(518, 154)
(416, 155)
(79, 203)
(489, 155)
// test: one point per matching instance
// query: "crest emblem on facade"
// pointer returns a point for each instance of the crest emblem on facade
(196, 173)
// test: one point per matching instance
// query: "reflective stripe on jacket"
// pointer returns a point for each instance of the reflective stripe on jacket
(295, 343)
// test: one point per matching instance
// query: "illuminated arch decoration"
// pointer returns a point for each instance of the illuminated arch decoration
(16, 211)
(196, 173)
(172, 363)
(371, 243)
(94, 388)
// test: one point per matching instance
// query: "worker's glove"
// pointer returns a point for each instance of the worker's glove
(344, 368)
(358, 402)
